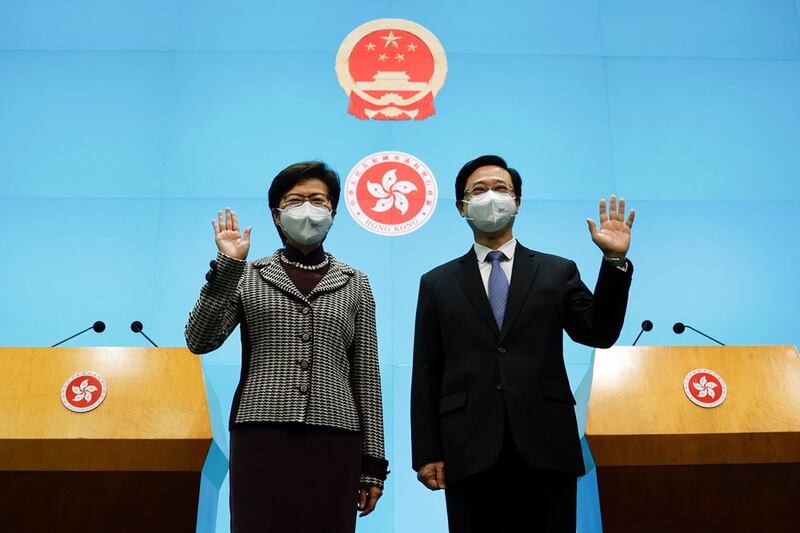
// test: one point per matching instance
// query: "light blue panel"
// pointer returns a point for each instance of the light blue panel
(82, 124)
(181, 25)
(71, 262)
(416, 509)
(239, 118)
(88, 25)
(706, 129)
(547, 116)
(726, 268)
(568, 27)
(711, 28)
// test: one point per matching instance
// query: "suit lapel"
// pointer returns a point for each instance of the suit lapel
(337, 275)
(522, 274)
(469, 277)
(271, 270)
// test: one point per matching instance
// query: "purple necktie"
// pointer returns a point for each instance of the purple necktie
(498, 287)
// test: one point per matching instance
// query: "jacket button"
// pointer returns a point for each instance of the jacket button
(303, 389)
(304, 364)
(306, 337)
(501, 349)
(499, 386)
(306, 310)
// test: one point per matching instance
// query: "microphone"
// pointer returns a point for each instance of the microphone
(680, 327)
(137, 327)
(98, 326)
(646, 326)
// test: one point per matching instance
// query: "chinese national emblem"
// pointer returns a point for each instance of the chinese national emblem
(705, 387)
(391, 69)
(390, 193)
(83, 392)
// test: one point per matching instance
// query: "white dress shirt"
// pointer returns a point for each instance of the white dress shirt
(486, 266)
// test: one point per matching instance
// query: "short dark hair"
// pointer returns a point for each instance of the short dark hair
(294, 174)
(305, 170)
(483, 161)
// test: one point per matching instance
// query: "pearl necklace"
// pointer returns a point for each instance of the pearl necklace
(301, 266)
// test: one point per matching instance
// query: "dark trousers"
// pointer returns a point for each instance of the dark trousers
(512, 496)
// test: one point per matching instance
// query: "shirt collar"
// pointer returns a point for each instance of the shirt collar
(507, 249)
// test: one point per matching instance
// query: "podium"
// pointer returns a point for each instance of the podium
(131, 464)
(666, 464)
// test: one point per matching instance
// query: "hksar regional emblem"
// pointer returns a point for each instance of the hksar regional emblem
(390, 193)
(83, 392)
(705, 387)
(391, 69)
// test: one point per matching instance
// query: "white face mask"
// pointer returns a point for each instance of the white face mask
(307, 223)
(491, 211)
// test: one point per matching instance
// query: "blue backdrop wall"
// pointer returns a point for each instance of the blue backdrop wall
(125, 125)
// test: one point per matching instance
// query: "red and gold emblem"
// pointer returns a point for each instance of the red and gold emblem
(391, 69)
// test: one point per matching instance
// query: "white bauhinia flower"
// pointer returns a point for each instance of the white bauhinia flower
(84, 391)
(705, 388)
(391, 192)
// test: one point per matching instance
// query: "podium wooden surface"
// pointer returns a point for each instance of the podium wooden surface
(132, 464)
(666, 464)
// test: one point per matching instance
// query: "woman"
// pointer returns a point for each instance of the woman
(306, 421)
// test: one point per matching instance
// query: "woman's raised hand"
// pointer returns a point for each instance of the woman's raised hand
(226, 234)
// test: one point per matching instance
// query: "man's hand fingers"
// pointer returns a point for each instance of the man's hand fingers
(621, 212)
(440, 482)
(603, 212)
(613, 209)
(631, 216)
(592, 227)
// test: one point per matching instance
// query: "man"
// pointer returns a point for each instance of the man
(492, 416)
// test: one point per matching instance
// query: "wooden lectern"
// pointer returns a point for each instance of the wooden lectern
(665, 464)
(132, 464)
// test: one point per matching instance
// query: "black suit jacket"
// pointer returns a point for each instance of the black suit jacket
(468, 377)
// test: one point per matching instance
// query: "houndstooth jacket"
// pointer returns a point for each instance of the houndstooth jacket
(308, 359)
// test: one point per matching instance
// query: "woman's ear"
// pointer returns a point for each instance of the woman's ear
(276, 216)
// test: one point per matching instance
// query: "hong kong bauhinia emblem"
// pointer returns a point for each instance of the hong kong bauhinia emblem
(391, 69)
(390, 193)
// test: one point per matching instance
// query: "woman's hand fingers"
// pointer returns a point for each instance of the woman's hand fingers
(372, 494)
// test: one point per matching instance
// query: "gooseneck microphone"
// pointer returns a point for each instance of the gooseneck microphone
(137, 327)
(646, 326)
(98, 326)
(680, 327)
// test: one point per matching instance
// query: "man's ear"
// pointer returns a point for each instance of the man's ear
(460, 207)
(276, 216)
(519, 202)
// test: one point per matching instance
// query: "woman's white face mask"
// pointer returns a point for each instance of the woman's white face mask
(306, 223)
(490, 211)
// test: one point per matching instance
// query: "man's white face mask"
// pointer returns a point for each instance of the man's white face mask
(306, 223)
(490, 211)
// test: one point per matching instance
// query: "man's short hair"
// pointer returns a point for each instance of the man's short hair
(483, 161)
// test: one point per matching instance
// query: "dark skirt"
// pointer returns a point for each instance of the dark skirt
(293, 478)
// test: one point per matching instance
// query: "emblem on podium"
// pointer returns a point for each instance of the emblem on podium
(705, 387)
(83, 392)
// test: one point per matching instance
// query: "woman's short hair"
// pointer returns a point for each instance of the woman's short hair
(294, 174)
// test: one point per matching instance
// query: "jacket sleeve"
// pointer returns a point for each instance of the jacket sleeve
(216, 313)
(367, 388)
(596, 319)
(426, 380)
